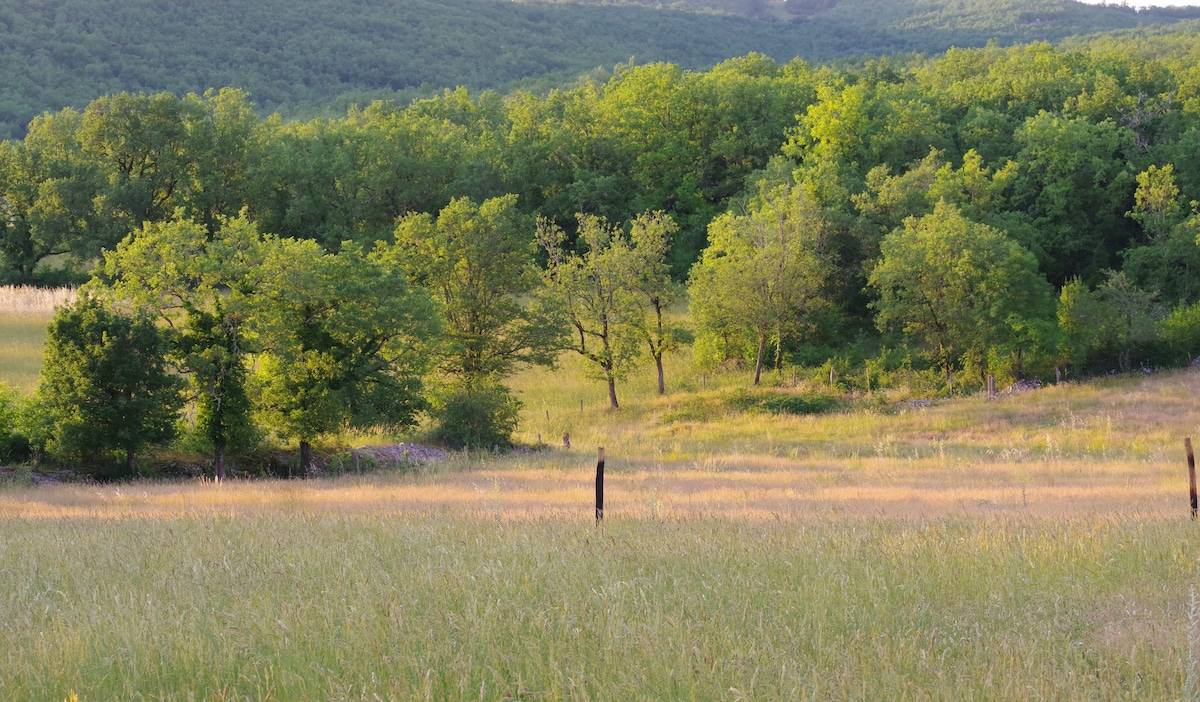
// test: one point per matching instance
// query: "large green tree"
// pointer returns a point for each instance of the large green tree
(762, 277)
(959, 287)
(197, 286)
(476, 260)
(105, 386)
(48, 188)
(345, 341)
(593, 288)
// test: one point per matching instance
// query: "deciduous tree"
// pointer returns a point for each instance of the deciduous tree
(105, 385)
(593, 289)
(476, 260)
(957, 286)
(763, 274)
(198, 287)
(344, 338)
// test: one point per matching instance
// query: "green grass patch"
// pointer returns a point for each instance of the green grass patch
(21, 342)
(777, 402)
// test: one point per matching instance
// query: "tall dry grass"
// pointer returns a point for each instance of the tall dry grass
(28, 301)
(437, 605)
(24, 313)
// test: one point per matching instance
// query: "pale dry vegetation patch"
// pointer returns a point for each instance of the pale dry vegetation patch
(29, 301)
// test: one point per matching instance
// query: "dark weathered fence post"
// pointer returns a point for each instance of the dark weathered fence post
(1187, 444)
(599, 484)
(991, 386)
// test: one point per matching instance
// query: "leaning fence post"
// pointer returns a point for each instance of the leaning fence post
(599, 484)
(1187, 444)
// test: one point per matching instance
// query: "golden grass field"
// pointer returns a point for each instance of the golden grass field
(1032, 547)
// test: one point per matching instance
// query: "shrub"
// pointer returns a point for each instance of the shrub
(480, 417)
(783, 403)
(14, 445)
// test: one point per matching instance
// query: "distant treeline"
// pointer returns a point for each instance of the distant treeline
(303, 55)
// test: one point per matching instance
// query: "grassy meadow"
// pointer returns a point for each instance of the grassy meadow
(1033, 547)
(24, 313)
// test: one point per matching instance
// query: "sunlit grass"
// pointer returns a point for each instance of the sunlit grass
(436, 605)
(28, 301)
(24, 313)
(21, 343)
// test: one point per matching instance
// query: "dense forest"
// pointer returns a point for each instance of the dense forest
(305, 55)
(1021, 212)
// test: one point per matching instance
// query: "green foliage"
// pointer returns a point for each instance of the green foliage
(47, 191)
(1074, 177)
(14, 445)
(762, 276)
(477, 262)
(961, 288)
(477, 417)
(650, 241)
(344, 340)
(198, 285)
(1115, 325)
(782, 403)
(300, 56)
(595, 290)
(104, 385)
(1181, 334)
(1085, 155)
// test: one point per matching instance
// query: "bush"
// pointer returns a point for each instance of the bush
(1181, 335)
(481, 417)
(783, 403)
(14, 446)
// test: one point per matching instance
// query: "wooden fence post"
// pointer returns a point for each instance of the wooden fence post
(1187, 444)
(991, 386)
(599, 484)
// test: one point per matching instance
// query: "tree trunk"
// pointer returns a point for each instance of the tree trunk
(219, 464)
(762, 346)
(662, 386)
(305, 458)
(612, 393)
(129, 460)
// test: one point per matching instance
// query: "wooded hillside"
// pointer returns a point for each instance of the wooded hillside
(301, 55)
